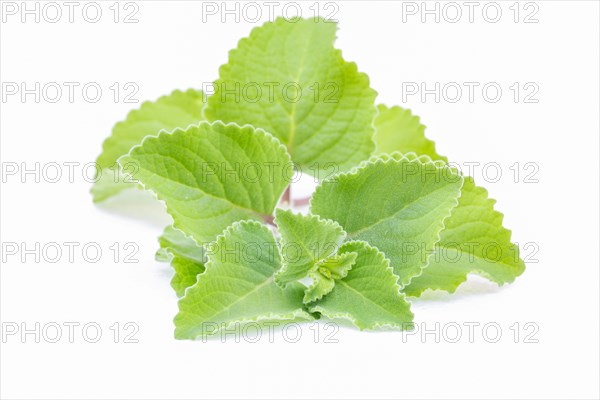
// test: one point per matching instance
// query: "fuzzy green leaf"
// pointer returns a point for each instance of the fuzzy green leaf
(288, 79)
(174, 242)
(212, 175)
(305, 240)
(399, 206)
(473, 241)
(325, 273)
(186, 274)
(185, 256)
(369, 296)
(176, 110)
(397, 129)
(238, 285)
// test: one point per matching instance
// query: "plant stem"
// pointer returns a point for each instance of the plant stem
(302, 202)
(287, 195)
(268, 219)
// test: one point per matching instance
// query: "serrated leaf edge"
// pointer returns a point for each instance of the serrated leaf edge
(315, 271)
(160, 198)
(169, 249)
(349, 317)
(460, 280)
(171, 256)
(418, 118)
(244, 42)
(325, 221)
(362, 76)
(300, 313)
(385, 159)
(144, 104)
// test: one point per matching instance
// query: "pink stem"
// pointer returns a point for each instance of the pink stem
(302, 202)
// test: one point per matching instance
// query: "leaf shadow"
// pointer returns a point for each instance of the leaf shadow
(139, 205)
(474, 286)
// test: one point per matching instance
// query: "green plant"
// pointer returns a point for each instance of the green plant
(223, 164)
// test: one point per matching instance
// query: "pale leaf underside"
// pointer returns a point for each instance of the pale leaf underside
(176, 110)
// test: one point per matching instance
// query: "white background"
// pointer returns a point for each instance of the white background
(171, 47)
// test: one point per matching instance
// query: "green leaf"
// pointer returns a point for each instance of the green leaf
(174, 242)
(186, 274)
(397, 129)
(397, 205)
(325, 273)
(369, 296)
(238, 285)
(288, 79)
(212, 175)
(473, 241)
(305, 240)
(185, 256)
(109, 182)
(176, 110)
(337, 266)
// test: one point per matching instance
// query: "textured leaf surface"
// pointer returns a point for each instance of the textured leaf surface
(397, 129)
(238, 285)
(325, 273)
(185, 256)
(473, 241)
(174, 242)
(212, 175)
(186, 273)
(397, 205)
(305, 240)
(369, 296)
(176, 110)
(321, 107)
